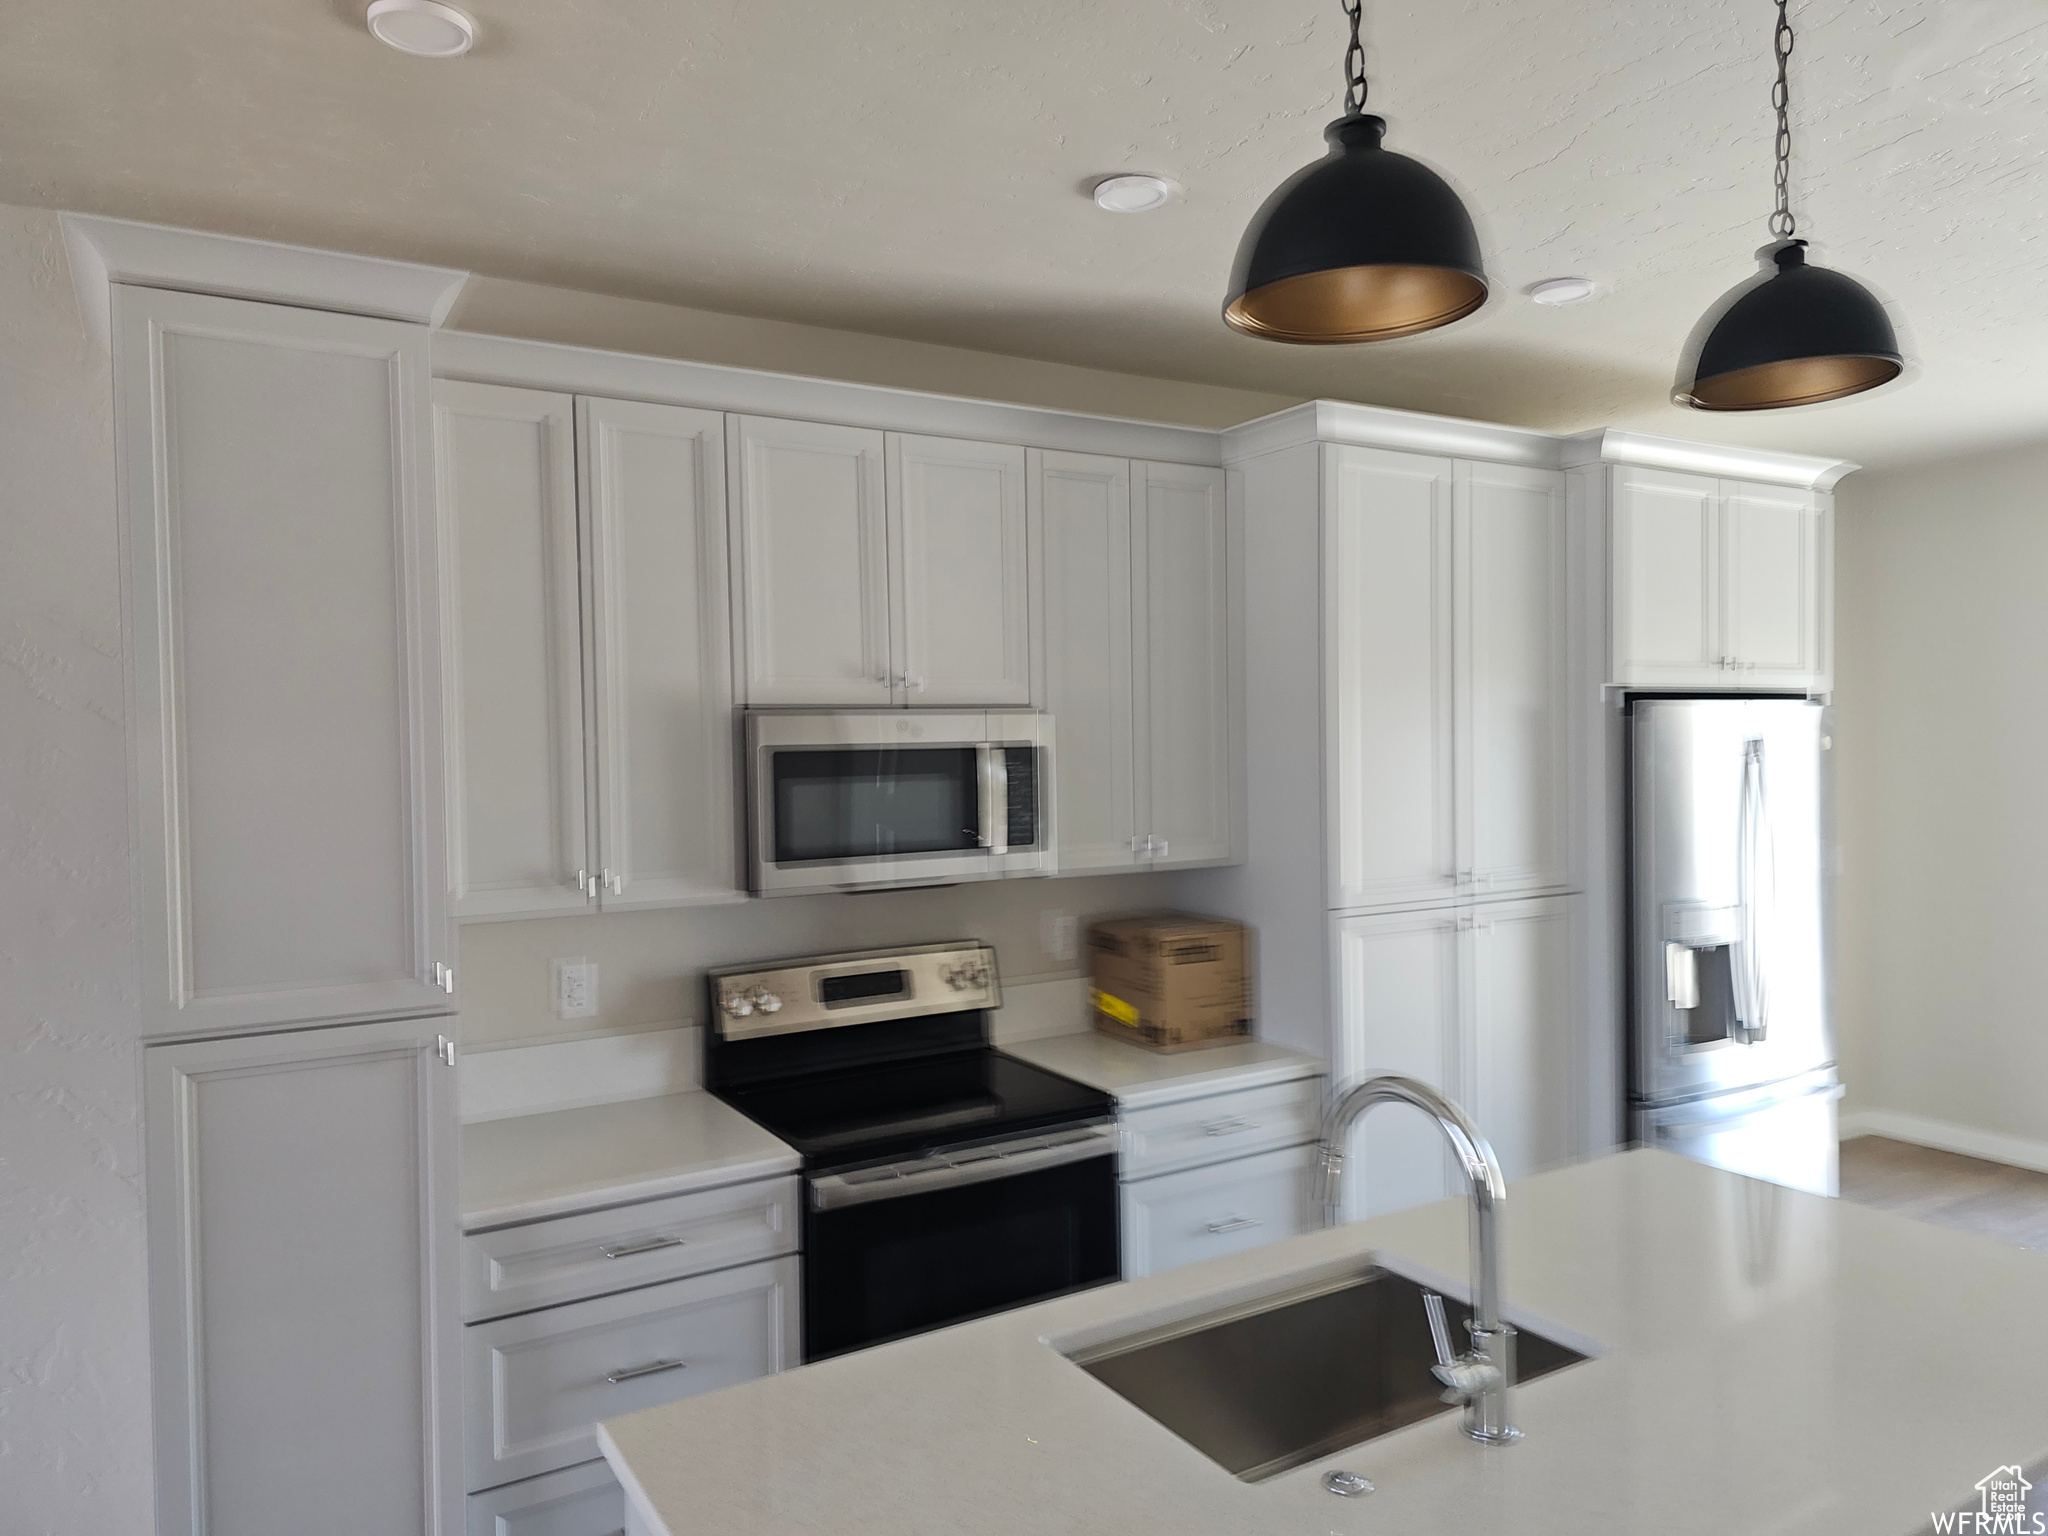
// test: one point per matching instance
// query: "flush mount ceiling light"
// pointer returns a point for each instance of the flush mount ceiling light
(1801, 334)
(1562, 290)
(1133, 194)
(424, 27)
(1363, 245)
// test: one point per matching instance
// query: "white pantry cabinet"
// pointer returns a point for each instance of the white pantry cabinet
(591, 633)
(1476, 1000)
(300, 1193)
(1718, 583)
(1137, 634)
(1444, 594)
(286, 733)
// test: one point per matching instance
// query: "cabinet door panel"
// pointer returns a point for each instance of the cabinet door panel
(1388, 599)
(812, 571)
(1178, 1218)
(1524, 1044)
(962, 622)
(583, 1500)
(1083, 512)
(1771, 536)
(1510, 679)
(1187, 752)
(1398, 1010)
(283, 613)
(1666, 582)
(654, 479)
(302, 1270)
(519, 825)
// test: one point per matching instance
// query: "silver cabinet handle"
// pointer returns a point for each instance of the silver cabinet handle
(445, 1049)
(444, 976)
(1229, 1126)
(587, 884)
(613, 881)
(627, 1250)
(651, 1368)
(1160, 851)
(1233, 1224)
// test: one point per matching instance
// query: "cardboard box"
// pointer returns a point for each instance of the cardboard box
(1170, 980)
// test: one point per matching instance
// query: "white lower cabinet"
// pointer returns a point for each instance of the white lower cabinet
(583, 1500)
(300, 1195)
(537, 1384)
(1202, 1213)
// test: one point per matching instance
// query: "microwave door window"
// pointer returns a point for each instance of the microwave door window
(874, 803)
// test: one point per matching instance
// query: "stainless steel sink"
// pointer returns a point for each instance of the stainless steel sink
(1284, 1379)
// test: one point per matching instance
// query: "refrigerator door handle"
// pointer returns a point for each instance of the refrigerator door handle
(1752, 855)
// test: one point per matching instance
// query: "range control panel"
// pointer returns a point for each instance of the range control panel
(834, 990)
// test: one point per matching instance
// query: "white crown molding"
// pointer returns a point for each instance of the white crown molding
(1375, 426)
(1611, 445)
(107, 251)
(508, 360)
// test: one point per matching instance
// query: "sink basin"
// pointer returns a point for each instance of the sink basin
(1284, 1379)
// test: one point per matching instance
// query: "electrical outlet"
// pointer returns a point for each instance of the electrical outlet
(1060, 933)
(575, 988)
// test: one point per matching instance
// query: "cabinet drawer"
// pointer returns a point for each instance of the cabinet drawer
(1223, 1125)
(515, 1269)
(581, 1501)
(1223, 1208)
(534, 1386)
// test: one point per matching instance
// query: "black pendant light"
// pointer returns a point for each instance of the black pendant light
(1800, 334)
(1363, 245)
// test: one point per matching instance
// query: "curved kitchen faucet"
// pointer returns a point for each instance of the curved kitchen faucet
(1481, 1377)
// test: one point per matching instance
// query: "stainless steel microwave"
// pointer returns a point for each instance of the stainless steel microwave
(844, 800)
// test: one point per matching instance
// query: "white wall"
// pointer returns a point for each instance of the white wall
(1942, 729)
(74, 1368)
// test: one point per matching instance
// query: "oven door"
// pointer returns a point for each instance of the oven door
(895, 1251)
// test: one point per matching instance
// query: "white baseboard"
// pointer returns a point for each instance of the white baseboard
(1993, 1146)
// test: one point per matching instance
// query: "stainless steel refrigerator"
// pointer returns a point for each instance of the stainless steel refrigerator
(1732, 1044)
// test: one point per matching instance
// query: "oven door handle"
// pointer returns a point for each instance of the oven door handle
(833, 1190)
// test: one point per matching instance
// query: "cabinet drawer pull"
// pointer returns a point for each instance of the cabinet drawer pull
(627, 1250)
(1234, 1224)
(1229, 1126)
(651, 1368)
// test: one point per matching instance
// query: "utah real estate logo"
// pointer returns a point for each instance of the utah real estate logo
(2004, 1509)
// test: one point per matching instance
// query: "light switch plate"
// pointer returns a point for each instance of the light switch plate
(575, 980)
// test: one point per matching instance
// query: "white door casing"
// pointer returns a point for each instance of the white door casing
(286, 730)
(810, 562)
(654, 514)
(1081, 508)
(519, 822)
(301, 1206)
(960, 620)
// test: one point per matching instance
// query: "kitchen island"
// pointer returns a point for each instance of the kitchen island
(1760, 1360)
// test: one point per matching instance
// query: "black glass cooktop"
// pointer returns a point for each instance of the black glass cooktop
(859, 1114)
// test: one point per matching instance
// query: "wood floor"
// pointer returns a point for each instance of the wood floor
(2010, 1204)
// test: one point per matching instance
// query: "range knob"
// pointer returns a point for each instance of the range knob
(739, 1006)
(767, 1002)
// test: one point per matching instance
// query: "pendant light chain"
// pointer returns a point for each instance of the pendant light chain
(1782, 224)
(1354, 62)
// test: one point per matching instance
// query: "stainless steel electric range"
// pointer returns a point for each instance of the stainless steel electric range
(942, 1178)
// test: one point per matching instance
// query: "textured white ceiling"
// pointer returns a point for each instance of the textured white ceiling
(917, 169)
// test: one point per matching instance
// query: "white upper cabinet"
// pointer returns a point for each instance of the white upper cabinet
(1387, 571)
(960, 620)
(1188, 751)
(283, 616)
(519, 823)
(302, 1244)
(1718, 583)
(811, 563)
(1511, 705)
(1081, 508)
(655, 536)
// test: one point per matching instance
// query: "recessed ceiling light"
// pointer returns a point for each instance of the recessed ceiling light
(1563, 290)
(424, 27)
(1133, 194)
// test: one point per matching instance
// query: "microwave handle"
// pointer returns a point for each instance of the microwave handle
(994, 773)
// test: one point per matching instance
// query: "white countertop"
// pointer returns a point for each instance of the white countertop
(578, 1159)
(1138, 1077)
(1772, 1362)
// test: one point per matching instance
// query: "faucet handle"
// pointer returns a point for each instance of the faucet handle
(1465, 1377)
(1439, 1332)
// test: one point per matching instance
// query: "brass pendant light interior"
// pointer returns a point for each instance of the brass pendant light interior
(1342, 304)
